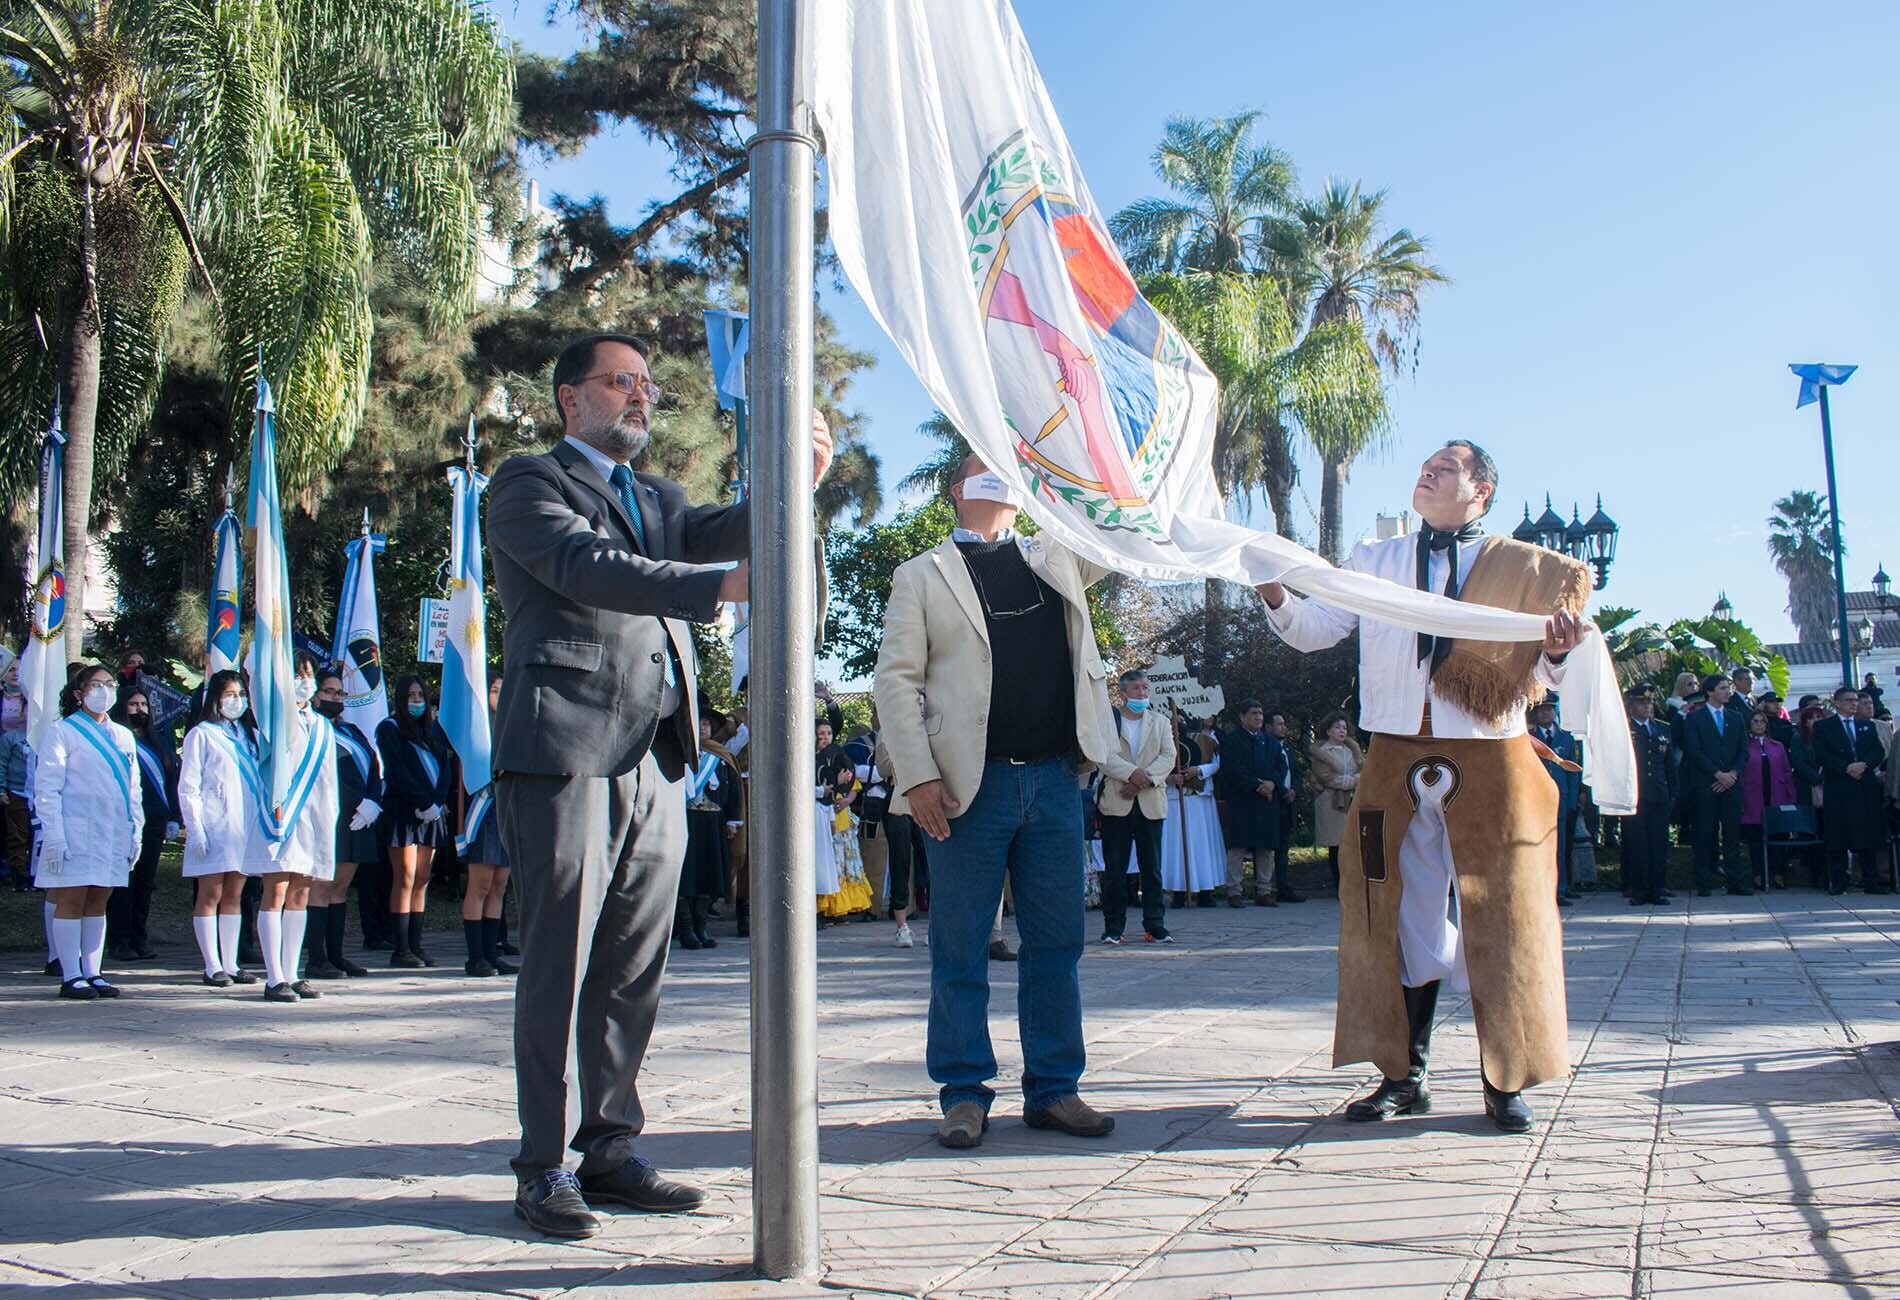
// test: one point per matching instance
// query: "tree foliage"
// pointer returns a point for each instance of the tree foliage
(1801, 543)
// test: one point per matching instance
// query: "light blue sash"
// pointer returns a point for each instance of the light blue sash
(478, 808)
(317, 742)
(707, 777)
(154, 769)
(116, 762)
(359, 754)
(431, 765)
(246, 760)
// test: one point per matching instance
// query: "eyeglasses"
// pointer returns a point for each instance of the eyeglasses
(625, 381)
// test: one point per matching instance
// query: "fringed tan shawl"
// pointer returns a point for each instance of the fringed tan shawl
(1493, 679)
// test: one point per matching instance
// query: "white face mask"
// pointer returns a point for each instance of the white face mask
(231, 707)
(98, 698)
(986, 487)
(305, 688)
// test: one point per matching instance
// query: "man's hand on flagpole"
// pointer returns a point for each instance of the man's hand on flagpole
(821, 448)
(736, 586)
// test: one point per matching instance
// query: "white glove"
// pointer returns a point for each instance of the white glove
(366, 814)
(433, 813)
(52, 858)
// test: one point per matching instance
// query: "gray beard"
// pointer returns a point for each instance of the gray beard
(617, 439)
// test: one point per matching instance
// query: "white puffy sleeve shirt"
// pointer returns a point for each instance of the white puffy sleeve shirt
(1393, 684)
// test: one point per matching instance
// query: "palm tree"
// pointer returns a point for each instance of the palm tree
(1801, 543)
(1228, 187)
(274, 147)
(1358, 288)
(938, 470)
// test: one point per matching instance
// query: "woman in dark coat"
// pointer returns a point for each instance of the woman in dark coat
(713, 818)
(127, 909)
(359, 836)
(419, 783)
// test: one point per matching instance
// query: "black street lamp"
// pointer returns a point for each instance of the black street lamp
(1550, 527)
(1723, 610)
(1883, 585)
(1593, 541)
(1600, 535)
(1526, 531)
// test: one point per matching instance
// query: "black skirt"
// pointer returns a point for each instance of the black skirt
(426, 835)
(705, 873)
(361, 846)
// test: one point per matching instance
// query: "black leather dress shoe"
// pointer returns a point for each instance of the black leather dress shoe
(1391, 1097)
(638, 1186)
(1508, 1110)
(552, 1204)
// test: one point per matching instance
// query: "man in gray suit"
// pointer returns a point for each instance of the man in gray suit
(600, 570)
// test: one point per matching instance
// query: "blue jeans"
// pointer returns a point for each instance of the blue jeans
(1026, 820)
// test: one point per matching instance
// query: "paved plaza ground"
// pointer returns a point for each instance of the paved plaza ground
(1729, 1131)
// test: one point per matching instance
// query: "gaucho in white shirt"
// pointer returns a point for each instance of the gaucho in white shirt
(1450, 847)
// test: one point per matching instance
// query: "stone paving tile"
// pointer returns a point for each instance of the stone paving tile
(1729, 1131)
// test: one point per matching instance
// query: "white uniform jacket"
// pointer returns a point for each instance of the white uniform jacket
(219, 805)
(88, 802)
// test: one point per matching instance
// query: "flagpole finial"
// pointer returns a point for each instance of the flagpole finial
(366, 521)
(469, 443)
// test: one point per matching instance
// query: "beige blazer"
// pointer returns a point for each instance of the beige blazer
(933, 670)
(1155, 750)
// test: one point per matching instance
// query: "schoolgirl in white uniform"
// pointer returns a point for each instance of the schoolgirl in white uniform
(307, 850)
(220, 803)
(86, 795)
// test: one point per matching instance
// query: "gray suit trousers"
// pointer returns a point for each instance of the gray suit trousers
(596, 864)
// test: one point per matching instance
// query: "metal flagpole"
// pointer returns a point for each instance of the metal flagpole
(784, 603)
(1840, 570)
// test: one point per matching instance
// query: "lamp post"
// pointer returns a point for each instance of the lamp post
(1883, 588)
(1723, 610)
(1593, 541)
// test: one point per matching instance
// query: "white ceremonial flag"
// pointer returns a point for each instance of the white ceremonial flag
(960, 215)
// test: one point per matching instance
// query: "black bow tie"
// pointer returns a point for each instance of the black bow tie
(1438, 539)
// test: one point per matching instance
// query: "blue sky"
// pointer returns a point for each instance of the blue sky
(1647, 211)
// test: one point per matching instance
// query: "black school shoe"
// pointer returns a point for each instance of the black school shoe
(1391, 1097)
(552, 1204)
(638, 1186)
(1508, 1110)
(78, 989)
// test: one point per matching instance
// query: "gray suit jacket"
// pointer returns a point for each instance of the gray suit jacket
(590, 615)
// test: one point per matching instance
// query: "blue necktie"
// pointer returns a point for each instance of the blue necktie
(622, 480)
(1716, 717)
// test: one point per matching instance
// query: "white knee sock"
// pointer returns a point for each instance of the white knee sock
(270, 938)
(46, 921)
(228, 925)
(68, 943)
(92, 944)
(295, 922)
(205, 930)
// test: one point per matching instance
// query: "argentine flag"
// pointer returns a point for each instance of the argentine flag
(357, 650)
(222, 634)
(272, 684)
(43, 663)
(464, 710)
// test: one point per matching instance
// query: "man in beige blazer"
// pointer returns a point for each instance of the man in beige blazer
(1133, 801)
(991, 690)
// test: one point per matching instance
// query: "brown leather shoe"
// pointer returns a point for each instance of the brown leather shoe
(1073, 1116)
(963, 1125)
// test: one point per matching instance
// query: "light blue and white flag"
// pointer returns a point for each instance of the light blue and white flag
(273, 701)
(357, 650)
(464, 709)
(222, 635)
(1814, 377)
(43, 662)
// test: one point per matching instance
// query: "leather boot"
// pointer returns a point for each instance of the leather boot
(683, 924)
(742, 912)
(1407, 1096)
(1508, 1110)
(702, 908)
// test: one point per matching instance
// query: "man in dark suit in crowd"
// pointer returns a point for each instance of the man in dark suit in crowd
(1714, 746)
(1569, 782)
(1646, 834)
(1253, 771)
(600, 570)
(1853, 763)
(1284, 803)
